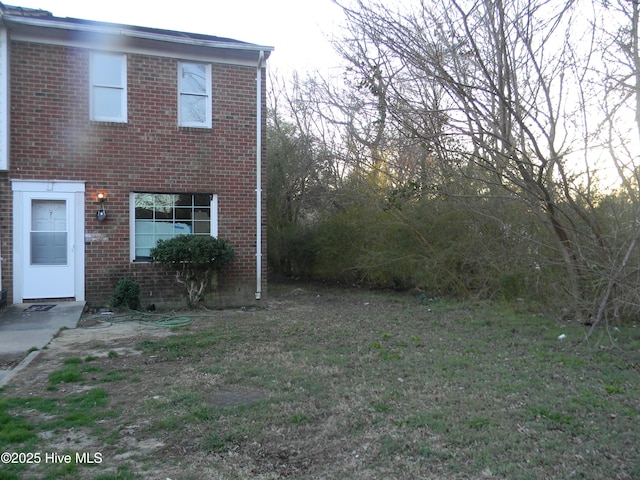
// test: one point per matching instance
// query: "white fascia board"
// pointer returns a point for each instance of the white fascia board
(126, 32)
(98, 44)
(93, 36)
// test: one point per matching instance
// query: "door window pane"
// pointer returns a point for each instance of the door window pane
(48, 236)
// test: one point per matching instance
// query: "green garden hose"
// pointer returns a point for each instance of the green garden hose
(152, 319)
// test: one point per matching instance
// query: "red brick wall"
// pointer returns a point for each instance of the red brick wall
(52, 138)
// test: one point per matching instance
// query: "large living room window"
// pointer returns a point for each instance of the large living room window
(108, 102)
(161, 216)
(194, 91)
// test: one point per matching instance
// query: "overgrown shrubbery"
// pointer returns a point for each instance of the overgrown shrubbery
(429, 243)
(194, 258)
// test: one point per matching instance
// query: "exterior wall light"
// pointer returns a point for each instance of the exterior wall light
(101, 214)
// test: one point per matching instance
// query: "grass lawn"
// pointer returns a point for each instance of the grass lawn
(335, 384)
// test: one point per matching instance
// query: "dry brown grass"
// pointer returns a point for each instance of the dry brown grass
(328, 383)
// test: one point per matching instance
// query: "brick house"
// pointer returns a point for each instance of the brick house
(161, 130)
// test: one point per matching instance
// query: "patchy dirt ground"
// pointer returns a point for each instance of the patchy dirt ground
(112, 345)
(9, 361)
(107, 343)
(329, 384)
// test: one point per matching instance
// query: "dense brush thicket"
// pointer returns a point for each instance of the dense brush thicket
(476, 149)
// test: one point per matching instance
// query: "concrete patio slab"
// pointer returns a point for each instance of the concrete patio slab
(25, 327)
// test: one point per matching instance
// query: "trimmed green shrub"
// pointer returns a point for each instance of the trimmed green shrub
(194, 258)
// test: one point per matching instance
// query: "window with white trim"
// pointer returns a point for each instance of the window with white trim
(161, 216)
(108, 90)
(194, 95)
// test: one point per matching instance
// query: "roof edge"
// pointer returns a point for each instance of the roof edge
(45, 19)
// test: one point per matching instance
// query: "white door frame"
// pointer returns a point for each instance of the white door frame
(22, 189)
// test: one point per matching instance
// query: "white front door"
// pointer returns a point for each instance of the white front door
(48, 239)
(48, 253)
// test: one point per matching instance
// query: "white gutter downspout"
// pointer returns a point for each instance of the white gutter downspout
(259, 177)
(4, 109)
(4, 99)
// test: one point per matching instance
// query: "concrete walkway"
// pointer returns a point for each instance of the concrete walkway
(25, 327)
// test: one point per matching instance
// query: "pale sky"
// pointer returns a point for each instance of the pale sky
(297, 29)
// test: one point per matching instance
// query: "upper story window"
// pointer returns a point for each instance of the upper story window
(194, 92)
(108, 87)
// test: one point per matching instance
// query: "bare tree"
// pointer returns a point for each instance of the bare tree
(617, 82)
(301, 171)
(506, 81)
